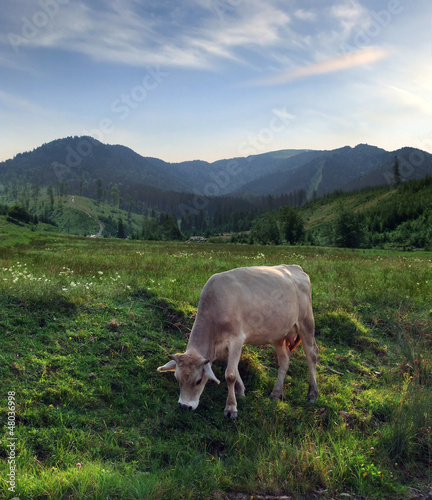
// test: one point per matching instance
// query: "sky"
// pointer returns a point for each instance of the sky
(213, 79)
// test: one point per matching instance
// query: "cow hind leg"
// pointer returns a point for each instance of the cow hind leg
(311, 351)
(283, 356)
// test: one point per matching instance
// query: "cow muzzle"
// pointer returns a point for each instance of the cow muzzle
(188, 404)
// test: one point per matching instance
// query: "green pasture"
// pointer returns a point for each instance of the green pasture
(84, 323)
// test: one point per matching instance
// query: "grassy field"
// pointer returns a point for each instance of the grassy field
(85, 323)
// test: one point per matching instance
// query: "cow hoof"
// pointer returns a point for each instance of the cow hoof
(232, 415)
(311, 399)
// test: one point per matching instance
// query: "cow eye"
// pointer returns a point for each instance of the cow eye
(199, 381)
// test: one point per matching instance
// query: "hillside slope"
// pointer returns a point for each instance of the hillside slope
(384, 216)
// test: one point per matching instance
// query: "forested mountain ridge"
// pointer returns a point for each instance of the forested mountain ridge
(347, 169)
(82, 161)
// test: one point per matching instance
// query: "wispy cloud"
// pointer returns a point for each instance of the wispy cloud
(350, 15)
(18, 103)
(305, 15)
(339, 63)
(127, 32)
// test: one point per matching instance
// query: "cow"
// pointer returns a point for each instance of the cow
(246, 306)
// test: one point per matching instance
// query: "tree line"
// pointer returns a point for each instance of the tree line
(399, 216)
(196, 214)
(402, 218)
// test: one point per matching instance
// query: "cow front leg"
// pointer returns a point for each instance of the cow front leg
(239, 387)
(283, 356)
(234, 382)
(231, 402)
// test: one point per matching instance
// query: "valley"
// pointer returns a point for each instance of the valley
(80, 186)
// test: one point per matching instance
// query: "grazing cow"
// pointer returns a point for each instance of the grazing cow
(253, 306)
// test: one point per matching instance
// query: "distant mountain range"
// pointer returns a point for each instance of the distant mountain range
(81, 161)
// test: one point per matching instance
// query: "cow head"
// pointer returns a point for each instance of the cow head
(192, 372)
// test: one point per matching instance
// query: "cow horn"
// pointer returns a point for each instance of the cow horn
(209, 373)
(170, 366)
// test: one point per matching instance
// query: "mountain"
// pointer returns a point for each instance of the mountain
(346, 168)
(81, 161)
(413, 164)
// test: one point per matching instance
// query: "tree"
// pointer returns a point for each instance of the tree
(396, 172)
(121, 233)
(265, 229)
(163, 227)
(18, 213)
(348, 230)
(149, 228)
(64, 188)
(35, 189)
(99, 191)
(115, 197)
(50, 193)
(291, 225)
(131, 207)
(169, 227)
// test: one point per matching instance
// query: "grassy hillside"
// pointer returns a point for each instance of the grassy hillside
(386, 217)
(82, 216)
(324, 210)
(95, 213)
(85, 322)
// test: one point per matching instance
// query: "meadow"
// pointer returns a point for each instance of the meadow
(84, 324)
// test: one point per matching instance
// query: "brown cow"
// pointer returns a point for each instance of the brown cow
(253, 306)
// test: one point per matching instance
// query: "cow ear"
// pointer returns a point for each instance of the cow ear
(209, 373)
(170, 366)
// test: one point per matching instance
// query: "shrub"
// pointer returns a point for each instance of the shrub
(20, 214)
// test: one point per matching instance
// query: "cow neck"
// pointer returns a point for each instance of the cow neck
(201, 339)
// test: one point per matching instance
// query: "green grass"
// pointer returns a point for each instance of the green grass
(85, 323)
(79, 215)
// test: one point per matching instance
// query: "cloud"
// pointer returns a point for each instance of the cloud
(338, 63)
(350, 15)
(192, 35)
(305, 15)
(20, 104)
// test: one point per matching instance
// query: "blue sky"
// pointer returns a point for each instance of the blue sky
(212, 79)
